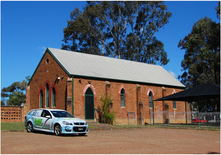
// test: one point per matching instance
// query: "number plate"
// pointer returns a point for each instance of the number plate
(80, 129)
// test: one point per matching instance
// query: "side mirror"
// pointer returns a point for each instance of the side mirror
(48, 116)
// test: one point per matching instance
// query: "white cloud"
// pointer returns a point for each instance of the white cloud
(42, 49)
(172, 73)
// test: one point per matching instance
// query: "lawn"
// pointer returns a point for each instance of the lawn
(12, 126)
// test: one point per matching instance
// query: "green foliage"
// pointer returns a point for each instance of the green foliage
(15, 92)
(2, 103)
(12, 126)
(201, 62)
(218, 10)
(122, 29)
(16, 98)
(108, 115)
(209, 105)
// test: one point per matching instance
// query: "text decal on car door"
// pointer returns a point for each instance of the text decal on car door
(38, 122)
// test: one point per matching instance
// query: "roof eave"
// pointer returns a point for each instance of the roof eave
(141, 82)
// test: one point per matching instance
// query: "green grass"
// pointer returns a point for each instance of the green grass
(12, 126)
(92, 127)
(130, 126)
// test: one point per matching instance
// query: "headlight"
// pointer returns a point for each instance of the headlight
(66, 123)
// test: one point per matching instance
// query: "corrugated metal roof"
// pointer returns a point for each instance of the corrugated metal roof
(97, 66)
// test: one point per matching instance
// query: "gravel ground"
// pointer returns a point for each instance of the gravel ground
(126, 141)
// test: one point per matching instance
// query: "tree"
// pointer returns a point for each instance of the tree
(15, 92)
(201, 62)
(122, 29)
(2, 103)
(218, 10)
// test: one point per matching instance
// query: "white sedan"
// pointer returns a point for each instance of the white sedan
(56, 121)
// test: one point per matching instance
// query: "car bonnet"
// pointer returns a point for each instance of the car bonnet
(72, 119)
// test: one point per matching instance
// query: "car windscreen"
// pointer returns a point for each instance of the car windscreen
(31, 112)
(61, 114)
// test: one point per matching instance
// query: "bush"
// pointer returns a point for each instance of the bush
(108, 115)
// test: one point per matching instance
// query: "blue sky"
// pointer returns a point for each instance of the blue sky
(28, 28)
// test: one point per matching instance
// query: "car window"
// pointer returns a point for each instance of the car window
(61, 114)
(31, 112)
(45, 113)
(34, 112)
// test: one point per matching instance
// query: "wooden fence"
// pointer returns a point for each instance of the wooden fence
(12, 114)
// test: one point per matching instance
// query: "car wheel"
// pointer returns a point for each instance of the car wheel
(57, 130)
(29, 127)
(82, 134)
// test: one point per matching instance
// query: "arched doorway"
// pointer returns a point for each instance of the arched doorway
(89, 104)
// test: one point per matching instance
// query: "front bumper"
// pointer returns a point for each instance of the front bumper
(70, 129)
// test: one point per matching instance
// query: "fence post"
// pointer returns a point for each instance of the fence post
(198, 118)
(186, 111)
(22, 114)
(168, 118)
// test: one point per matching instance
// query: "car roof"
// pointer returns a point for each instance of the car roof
(49, 109)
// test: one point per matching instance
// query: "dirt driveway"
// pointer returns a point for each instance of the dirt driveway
(129, 141)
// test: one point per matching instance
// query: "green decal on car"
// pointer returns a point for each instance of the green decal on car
(38, 122)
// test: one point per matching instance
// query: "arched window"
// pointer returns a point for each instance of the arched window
(174, 104)
(150, 100)
(47, 95)
(41, 99)
(122, 98)
(53, 97)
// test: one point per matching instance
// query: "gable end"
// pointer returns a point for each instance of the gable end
(47, 50)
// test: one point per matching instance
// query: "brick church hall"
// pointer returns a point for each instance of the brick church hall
(76, 81)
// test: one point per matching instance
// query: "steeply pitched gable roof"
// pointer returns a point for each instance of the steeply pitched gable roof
(88, 65)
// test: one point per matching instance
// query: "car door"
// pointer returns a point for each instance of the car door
(46, 120)
(37, 119)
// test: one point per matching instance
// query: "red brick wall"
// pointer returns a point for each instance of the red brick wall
(80, 86)
(46, 74)
(12, 114)
(131, 103)
(27, 104)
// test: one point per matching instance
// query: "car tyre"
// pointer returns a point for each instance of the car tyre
(29, 127)
(57, 130)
